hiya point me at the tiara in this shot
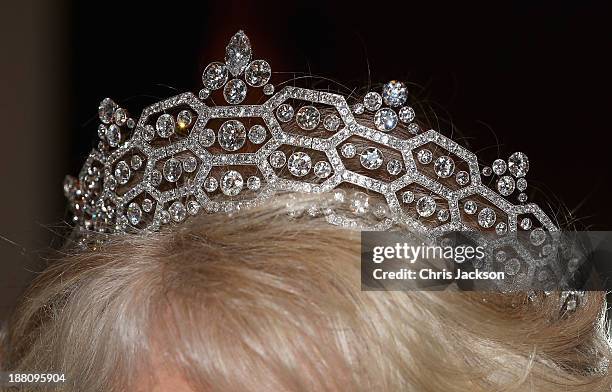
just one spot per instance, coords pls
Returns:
(188, 155)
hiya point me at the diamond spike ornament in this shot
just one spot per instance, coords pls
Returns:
(238, 53)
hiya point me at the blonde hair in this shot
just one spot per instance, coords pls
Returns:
(258, 301)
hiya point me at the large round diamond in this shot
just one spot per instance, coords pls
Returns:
(184, 119)
(165, 125)
(113, 135)
(214, 75)
(257, 134)
(371, 158)
(106, 110)
(462, 178)
(211, 184)
(299, 164)
(505, 185)
(395, 93)
(258, 73)
(424, 156)
(173, 169)
(322, 169)
(406, 114)
(177, 211)
(426, 206)
(385, 119)
(331, 122)
(394, 167)
(359, 203)
(308, 117)
(444, 166)
(253, 183)
(348, 150)
(518, 164)
(284, 112)
(190, 164)
(407, 197)
(231, 183)
(278, 159)
(499, 166)
(134, 213)
(372, 101)
(537, 236)
(486, 217)
(235, 91)
(470, 207)
(206, 137)
(232, 135)
(122, 172)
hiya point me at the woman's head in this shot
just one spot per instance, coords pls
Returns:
(264, 298)
(260, 300)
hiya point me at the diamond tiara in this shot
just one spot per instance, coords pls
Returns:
(187, 155)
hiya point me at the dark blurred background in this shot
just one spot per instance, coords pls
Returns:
(509, 77)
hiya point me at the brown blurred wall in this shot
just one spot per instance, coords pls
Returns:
(33, 75)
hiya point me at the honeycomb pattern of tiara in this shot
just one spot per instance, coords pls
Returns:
(186, 155)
